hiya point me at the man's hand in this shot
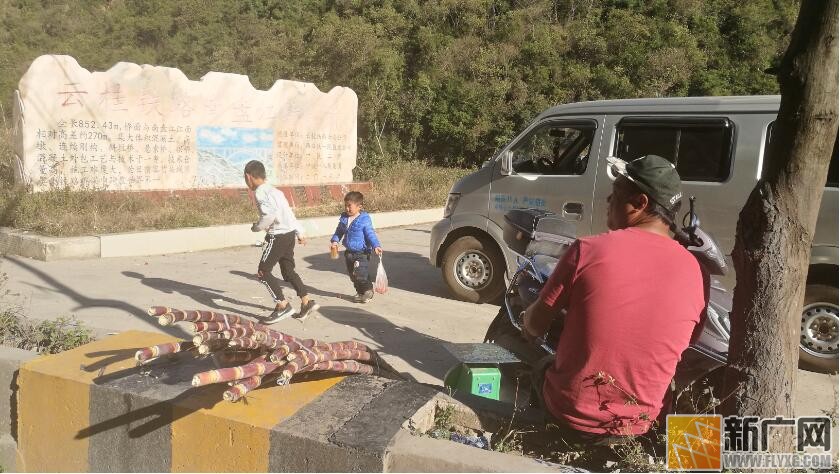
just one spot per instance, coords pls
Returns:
(536, 321)
(255, 227)
(525, 333)
(378, 250)
(301, 240)
(259, 273)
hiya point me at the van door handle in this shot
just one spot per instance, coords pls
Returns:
(573, 210)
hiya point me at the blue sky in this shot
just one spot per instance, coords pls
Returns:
(230, 137)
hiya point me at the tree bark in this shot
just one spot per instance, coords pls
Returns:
(776, 226)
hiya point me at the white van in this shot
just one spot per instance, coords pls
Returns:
(558, 163)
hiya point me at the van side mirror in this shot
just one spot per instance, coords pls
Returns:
(506, 167)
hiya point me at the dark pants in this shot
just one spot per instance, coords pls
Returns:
(358, 264)
(280, 249)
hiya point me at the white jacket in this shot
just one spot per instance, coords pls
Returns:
(276, 216)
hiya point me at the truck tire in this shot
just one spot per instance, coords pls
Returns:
(474, 270)
(818, 337)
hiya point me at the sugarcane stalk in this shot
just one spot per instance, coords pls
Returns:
(244, 343)
(262, 333)
(302, 358)
(208, 326)
(349, 345)
(238, 331)
(258, 367)
(271, 342)
(339, 366)
(312, 356)
(162, 349)
(238, 390)
(204, 336)
(212, 346)
(240, 341)
(283, 350)
(177, 315)
(279, 355)
(158, 310)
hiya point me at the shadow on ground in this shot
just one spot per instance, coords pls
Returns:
(422, 352)
(406, 271)
(83, 302)
(288, 291)
(204, 296)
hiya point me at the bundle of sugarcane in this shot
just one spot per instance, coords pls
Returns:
(260, 354)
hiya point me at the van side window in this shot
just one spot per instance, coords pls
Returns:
(831, 179)
(554, 149)
(701, 147)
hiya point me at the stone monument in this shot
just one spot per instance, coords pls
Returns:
(151, 128)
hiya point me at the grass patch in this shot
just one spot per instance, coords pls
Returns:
(399, 186)
(49, 337)
(547, 443)
(407, 185)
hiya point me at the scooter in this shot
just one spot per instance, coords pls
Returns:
(540, 238)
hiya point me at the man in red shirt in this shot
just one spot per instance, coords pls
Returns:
(633, 297)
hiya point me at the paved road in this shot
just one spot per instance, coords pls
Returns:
(408, 324)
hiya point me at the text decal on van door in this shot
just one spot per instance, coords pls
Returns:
(506, 202)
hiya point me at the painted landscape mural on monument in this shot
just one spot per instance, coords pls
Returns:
(224, 151)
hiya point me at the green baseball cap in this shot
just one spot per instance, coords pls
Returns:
(653, 175)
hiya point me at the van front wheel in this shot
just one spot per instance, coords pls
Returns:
(474, 270)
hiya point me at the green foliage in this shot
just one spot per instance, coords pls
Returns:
(50, 336)
(444, 417)
(447, 81)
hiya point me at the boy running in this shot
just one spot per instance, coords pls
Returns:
(282, 229)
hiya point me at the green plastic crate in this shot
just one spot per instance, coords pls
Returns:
(483, 381)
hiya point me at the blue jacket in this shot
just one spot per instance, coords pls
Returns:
(360, 236)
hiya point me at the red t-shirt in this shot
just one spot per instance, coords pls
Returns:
(633, 299)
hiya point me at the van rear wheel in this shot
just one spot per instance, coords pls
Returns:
(818, 337)
(474, 270)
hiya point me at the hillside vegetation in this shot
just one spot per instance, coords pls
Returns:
(445, 81)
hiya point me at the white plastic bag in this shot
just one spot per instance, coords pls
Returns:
(381, 284)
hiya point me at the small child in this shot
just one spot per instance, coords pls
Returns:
(282, 228)
(355, 227)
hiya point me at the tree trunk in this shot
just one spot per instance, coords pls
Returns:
(776, 226)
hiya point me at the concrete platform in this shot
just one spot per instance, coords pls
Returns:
(163, 242)
(10, 361)
(93, 409)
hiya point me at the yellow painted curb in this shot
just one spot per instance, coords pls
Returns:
(207, 433)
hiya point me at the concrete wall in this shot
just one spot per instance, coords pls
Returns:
(10, 361)
(92, 409)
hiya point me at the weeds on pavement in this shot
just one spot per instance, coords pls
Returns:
(50, 336)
